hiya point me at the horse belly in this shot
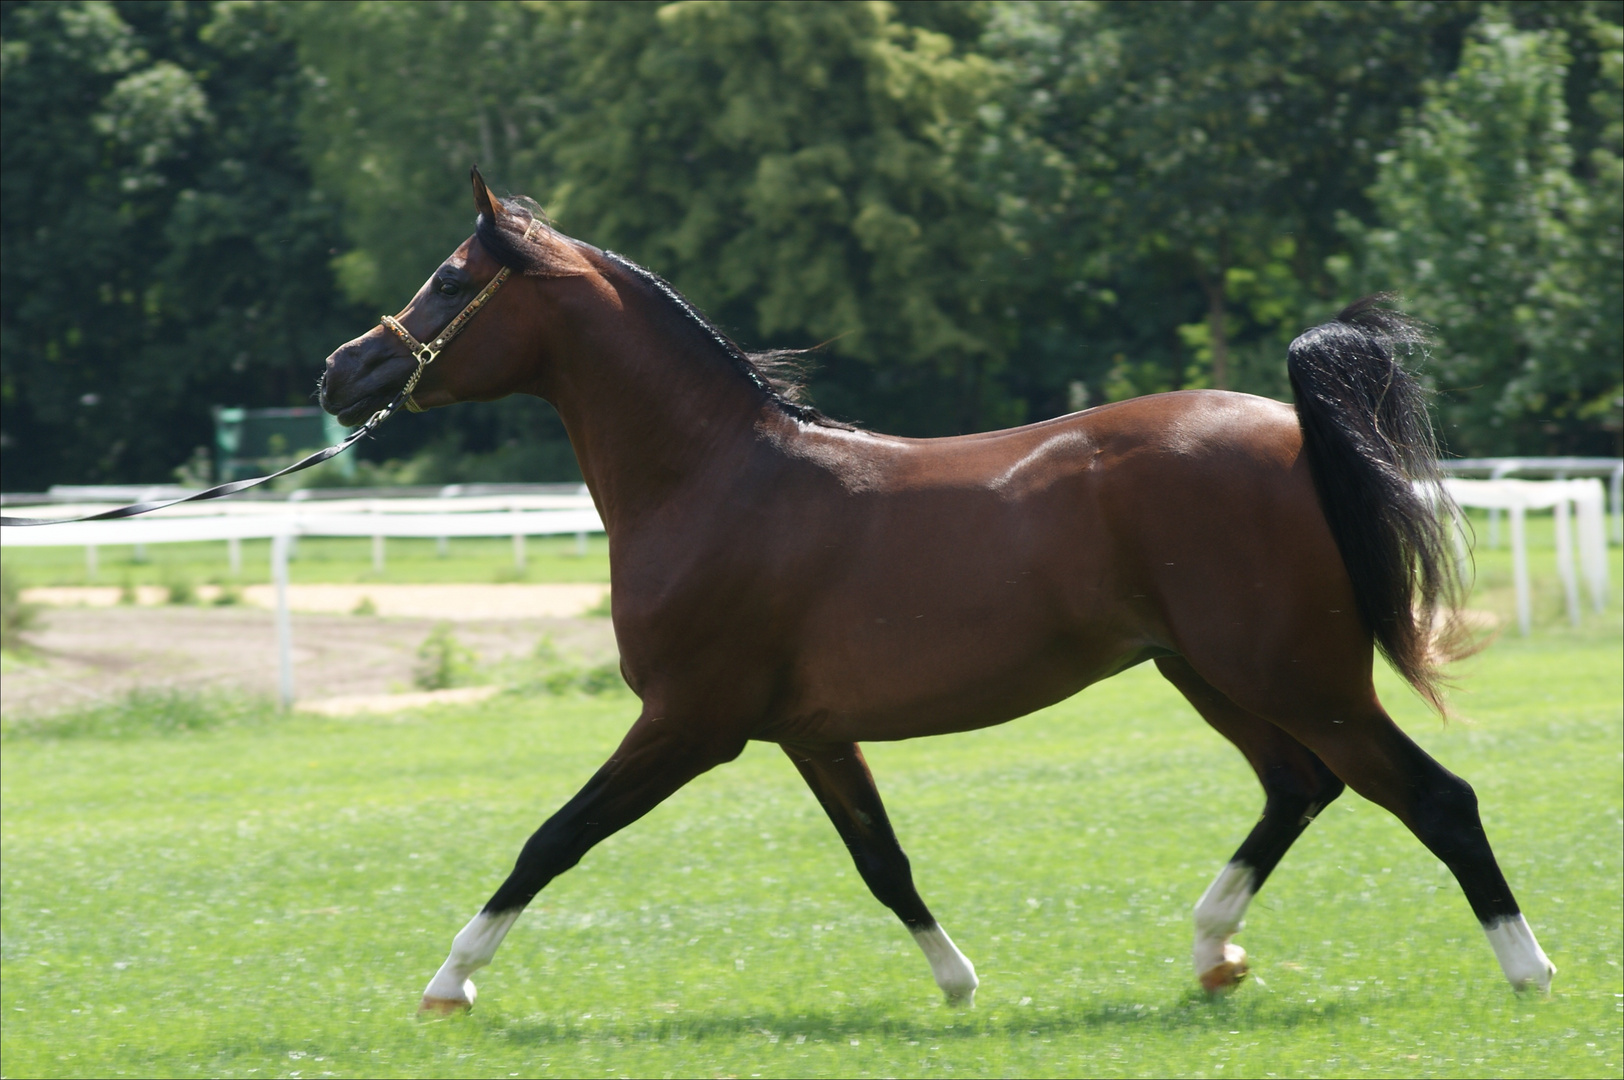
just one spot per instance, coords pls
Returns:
(945, 668)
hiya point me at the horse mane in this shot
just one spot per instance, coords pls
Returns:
(778, 373)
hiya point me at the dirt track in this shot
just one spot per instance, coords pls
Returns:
(86, 653)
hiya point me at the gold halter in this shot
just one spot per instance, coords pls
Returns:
(427, 354)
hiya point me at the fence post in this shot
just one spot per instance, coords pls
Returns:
(1519, 567)
(284, 622)
(90, 562)
(1564, 555)
(234, 555)
(518, 541)
(442, 546)
(1590, 526)
(377, 544)
(1496, 473)
(1615, 494)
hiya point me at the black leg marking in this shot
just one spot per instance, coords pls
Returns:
(840, 779)
(652, 762)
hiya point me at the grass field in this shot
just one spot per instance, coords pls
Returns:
(319, 560)
(268, 899)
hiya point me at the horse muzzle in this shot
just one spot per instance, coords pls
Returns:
(364, 375)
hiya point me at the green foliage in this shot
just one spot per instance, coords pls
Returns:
(549, 671)
(180, 590)
(978, 208)
(146, 712)
(803, 172)
(16, 617)
(163, 245)
(443, 661)
(1493, 238)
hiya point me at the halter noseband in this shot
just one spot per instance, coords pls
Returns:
(427, 354)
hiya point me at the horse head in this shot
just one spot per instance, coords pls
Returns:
(496, 356)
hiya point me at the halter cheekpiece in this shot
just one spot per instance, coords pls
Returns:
(427, 354)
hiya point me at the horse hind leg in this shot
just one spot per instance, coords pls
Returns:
(1296, 787)
(839, 778)
(1364, 748)
(1383, 764)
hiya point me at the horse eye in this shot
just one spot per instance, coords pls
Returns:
(449, 288)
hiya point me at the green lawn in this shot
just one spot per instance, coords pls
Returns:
(320, 560)
(269, 899)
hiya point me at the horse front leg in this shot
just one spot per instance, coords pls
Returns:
(839, 777)
(656, 758)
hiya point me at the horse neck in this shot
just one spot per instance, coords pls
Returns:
(650, 413)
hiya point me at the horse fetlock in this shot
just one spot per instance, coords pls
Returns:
(954, 973)
(1527, 967)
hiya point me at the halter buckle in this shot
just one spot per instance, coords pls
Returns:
(427, 354)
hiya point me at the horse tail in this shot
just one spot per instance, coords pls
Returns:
(1374, 460)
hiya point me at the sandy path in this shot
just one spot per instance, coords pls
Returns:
(88, 653)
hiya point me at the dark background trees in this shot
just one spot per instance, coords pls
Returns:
(987, 213)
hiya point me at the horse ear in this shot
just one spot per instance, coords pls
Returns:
(485, 202)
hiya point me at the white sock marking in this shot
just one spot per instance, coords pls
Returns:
(953, 970)
(1220, 914)
(471, 950)
(1520, 956)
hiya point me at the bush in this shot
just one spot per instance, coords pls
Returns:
(550, 672)
(181, 591)
(16, 617)
(146, 712)
(442, 661)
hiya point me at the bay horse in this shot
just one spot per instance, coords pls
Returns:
(778, 576)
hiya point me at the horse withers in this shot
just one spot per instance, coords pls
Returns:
(778, 576)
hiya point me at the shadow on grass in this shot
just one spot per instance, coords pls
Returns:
(1192, 1014)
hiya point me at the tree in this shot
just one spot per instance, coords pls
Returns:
(162, 248)
(1203, 153)
(1492, 237)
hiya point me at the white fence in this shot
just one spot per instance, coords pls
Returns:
(1567, 500)
(1578, 507)
(1553, 468)
(284, 522)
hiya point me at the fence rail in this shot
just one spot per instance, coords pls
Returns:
(304, 519)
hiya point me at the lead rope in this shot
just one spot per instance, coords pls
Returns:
(423, 354)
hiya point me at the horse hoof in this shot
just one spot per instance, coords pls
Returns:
(1539, 984)
(962, 999)
(1228, 973)
(439, 1006)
